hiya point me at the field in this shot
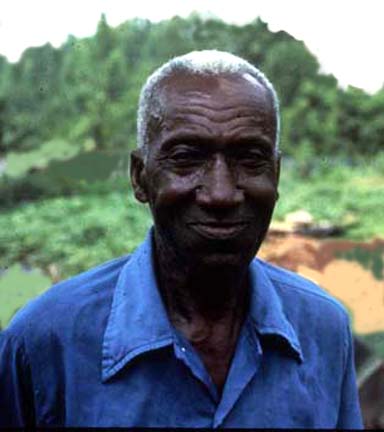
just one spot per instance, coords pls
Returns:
(98, 218)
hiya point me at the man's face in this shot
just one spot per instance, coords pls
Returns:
(211, 173)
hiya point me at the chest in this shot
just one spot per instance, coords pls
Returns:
(215, 346)
(158, 389)
(217, 361)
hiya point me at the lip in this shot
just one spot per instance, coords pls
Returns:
(219, 230)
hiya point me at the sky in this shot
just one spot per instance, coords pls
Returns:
(347, 36)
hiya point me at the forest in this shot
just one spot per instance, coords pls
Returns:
(68, 123)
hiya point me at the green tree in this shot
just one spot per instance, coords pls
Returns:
(289, 65)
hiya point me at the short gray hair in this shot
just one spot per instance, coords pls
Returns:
(210, 62)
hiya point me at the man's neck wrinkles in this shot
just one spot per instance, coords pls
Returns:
(195, 292)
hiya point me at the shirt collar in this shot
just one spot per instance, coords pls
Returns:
(138, 320)
(267, 313)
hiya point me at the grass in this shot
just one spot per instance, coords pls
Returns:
(18, 164)
(29, 179)
(338, 194)
(102, 220)
(17, 286)
(78, 231)
(74, 233)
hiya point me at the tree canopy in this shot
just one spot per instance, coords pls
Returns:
(87, 90)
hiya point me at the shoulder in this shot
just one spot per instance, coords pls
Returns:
(320, 322)
(55, 309)
(304, 302)
(293, 284)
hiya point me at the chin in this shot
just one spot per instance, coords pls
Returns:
(222, 261)
(227, 256)
(193, 249)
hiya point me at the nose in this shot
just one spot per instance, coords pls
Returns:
(219, 186)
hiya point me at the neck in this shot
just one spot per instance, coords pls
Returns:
(195, 292)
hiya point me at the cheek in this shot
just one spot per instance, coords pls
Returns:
(261, 190)
(171, 189)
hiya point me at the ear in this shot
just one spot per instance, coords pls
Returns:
(138, 176)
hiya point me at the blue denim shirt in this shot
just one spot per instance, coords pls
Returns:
(99, 350)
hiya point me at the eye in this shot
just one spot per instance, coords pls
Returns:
(181, 155)
(252, 159)
(185, 156)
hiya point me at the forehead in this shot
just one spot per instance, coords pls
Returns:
(216, 103)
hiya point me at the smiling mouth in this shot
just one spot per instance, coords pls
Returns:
(219, 230)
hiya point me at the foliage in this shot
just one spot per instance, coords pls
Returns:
(68, 120)
(50, 173)
(19, 164)
(104, 221)
(73, 233)
(17, 286)
(87, 90)
(336, 192)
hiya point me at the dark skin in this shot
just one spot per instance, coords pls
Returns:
(210, 178)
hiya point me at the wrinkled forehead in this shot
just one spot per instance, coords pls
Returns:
(217, 89)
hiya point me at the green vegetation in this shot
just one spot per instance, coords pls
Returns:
(81, 230)
(18, 164)
(340, 194)
(73, 233)
(68, 121)
(375, 342)
(85, 93)
(18, 279)
(373, 261)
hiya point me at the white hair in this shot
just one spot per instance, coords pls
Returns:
(205, 62)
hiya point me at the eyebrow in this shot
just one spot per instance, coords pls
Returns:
(195, 139)
(185, 138)
(250, 140)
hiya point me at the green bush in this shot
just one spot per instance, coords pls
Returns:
(103, 220)
(337, 192)
(75, 233)
(85, 172)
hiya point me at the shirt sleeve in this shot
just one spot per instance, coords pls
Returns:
(16, 397)
(349, 412)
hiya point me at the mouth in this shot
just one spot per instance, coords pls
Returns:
(219, 230)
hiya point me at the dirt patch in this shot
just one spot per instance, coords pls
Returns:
(319, 260)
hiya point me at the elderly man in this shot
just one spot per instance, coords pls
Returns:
(190, 330)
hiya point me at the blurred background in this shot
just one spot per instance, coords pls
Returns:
(70, 76)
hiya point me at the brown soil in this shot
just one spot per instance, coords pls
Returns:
(355, 286)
